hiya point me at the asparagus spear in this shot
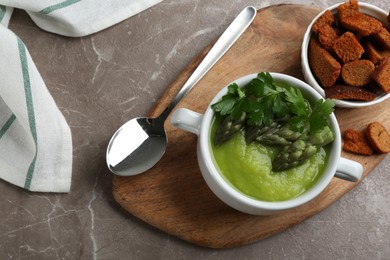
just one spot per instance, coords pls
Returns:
(280, 135)
(227, 128)
(252, 132)
(302, 149)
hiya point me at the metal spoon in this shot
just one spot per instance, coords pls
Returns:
(141, 142)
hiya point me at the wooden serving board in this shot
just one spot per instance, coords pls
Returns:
(173, 196)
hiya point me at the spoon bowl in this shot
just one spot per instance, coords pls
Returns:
(138, 145)
(141, 142)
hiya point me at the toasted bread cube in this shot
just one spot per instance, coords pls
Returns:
(383, 38)
(372, 53)
(382, 75)
(379, 137)
(348, 9)
(347, 48)
(326, 18)
(324, 66)
(362, 24)
(345, 92)
(327, 36)
(356, 142)
(357, 73)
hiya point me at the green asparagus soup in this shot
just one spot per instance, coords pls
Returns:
(268, 140)
(248, 167)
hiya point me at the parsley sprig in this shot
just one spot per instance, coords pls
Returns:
(263, 101)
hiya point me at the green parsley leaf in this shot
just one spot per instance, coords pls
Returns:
(280, 108)
(266, 78)
(318, 118)
(296, 101)
(233, 88)
(299, 123)
(229, 101)
(225, 106)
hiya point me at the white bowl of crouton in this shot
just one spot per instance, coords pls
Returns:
(346, 54)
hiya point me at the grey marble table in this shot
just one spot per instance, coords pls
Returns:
(142, 56)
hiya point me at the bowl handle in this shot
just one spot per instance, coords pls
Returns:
(187, 120)
(349, 170)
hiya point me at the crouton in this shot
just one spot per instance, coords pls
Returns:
(362, 24)
(372, 53)
(326, 18)
(347, 48)
(357, 142)
(383, 38)
(382, 75)
(345, 92)
(378, 137)
(323, 65)
(348, 9)
(357, 73)
(327, 36)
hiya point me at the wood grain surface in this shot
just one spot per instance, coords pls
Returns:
(173, 196)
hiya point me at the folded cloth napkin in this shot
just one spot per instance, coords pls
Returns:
(79, 17)
(35, 139)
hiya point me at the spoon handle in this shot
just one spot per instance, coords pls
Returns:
(225, 41)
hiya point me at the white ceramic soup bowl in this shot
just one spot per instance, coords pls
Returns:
(201, 125)
(365, 8)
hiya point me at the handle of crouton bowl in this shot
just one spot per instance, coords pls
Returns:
(349, 170)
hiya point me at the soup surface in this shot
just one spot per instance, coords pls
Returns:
(248, 167)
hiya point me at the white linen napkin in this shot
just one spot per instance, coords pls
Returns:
(35, 139)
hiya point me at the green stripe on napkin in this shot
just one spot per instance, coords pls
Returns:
(7, 125)
(52, 8)
(30, 109)
(2, 12)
